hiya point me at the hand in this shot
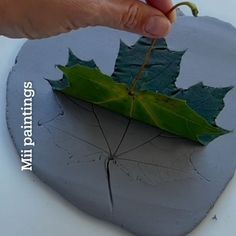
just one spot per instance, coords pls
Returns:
(36, 19)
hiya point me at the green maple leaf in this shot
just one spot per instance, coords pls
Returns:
(156, 100)
(160, 74)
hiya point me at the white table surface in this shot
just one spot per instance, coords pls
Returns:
(30, 208)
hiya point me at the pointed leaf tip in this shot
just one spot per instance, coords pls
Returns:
(208, 138)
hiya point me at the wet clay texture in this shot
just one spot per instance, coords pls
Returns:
(120, 170)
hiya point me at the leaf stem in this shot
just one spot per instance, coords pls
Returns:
(148, 55)
(191, 5)
(143, 67)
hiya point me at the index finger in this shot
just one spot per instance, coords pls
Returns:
(164, 6)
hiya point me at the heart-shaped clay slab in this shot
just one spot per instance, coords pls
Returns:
(157, 184)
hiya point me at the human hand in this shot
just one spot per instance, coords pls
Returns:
(36, 19)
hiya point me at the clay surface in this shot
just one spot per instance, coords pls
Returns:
(157, 184)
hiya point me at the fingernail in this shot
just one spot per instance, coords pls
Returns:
(157, 26)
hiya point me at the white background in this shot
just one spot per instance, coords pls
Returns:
(29, 208)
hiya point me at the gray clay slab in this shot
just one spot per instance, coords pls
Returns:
(157, 184)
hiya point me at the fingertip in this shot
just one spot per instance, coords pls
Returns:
(157, 27)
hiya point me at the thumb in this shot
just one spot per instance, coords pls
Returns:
(39, 19)
(134, 16)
